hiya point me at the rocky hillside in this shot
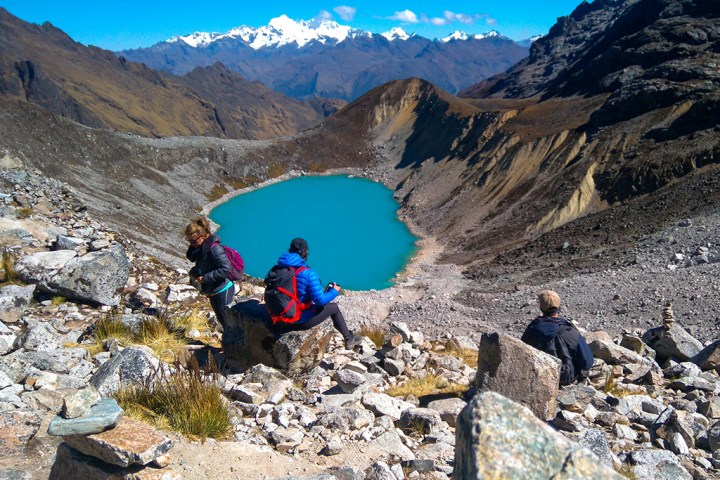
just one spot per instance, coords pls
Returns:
(649, 409)
(43, 66)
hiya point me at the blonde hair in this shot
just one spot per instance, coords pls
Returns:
(199, 226)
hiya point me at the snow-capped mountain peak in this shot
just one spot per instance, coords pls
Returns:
(460, 35)
(396, 33)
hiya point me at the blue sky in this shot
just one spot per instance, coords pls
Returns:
(121, 24)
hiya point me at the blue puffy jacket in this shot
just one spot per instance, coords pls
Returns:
(309, 287)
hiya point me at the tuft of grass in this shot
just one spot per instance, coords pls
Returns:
(217, 192)
(8, 265)
(187, 401)
(316, 167)
(611, 387)
(626, 470)
(24, 212)
(58, 300)
(109, 326)
(430, 384)
(162, 335)
(374, 333)
(467, 355)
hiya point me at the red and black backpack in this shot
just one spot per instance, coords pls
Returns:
(281, 299)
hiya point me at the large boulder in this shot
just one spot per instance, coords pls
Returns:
(40, 267)
(94, 277)
(250, 339)
(674, 342)
(519, 372)
(709, 357)
(497, 438)
(17, 427)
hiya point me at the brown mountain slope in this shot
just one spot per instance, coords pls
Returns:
(251, 110)
(44, 66)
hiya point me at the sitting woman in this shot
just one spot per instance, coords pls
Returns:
(212, 266)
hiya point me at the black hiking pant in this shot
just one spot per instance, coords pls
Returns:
(321, 313)
(220, 301)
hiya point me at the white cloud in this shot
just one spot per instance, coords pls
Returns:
(323, 15)
(405, 16)
(448, 18)
(345, 12)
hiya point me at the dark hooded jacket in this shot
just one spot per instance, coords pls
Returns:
(212, 263)
(541, 334)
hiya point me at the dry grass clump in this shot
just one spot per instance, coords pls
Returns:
(276, 170)
(217, 192)
(627, 471)
(467, 355)
(24, 212)
(8, 266)
(187, 401)
(429, 384)
(165, 333)
(611, 387)
(374, 333)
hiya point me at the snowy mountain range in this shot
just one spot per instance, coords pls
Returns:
(321, 58)
(286, 31)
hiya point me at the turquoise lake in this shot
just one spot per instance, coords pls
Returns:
(350, 224)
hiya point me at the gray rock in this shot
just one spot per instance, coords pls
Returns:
(345, 419)
(103, 415)
(181, 293)
(714, 437)
(614, 354)
(461, 343)
(520, 372)
(7, 339)
(382, 404)
(63, 242)
(132, 365)
(657, 464)
(709, 357)
(497, 438)
(394, 367)
(39, 338)
(40, 267)
(274, 386)
(393, 445)
(596, 441)
(249, 339)
(448, 409)
(402, 329)
(11, 474)
(130, 443)
(80, 403)
(675, 343)
(19, 364)
(333, 447)
(14, 300)
(71, 464)
(17, 427)
(420, 420)
(348, 380)
(95, 277)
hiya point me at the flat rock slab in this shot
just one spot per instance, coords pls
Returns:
(130, 443)
(103, 415)
(71, 464)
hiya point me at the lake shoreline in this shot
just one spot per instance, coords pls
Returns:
(427, 249)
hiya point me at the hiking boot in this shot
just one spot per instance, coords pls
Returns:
(352, 342)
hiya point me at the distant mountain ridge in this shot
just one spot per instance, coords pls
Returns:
(41, 65)
(322, 58)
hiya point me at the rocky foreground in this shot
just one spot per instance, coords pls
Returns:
(650, 408)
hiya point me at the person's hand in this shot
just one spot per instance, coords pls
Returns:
(200, 279)
(336, 287)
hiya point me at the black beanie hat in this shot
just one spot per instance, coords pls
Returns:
(299, 245)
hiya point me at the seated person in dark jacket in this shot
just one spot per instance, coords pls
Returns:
(554, 335)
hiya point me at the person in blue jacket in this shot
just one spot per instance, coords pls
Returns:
(310, 291)
(212, 266)
(555, 335)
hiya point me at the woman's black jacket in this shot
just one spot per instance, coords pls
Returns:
(211, 263)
